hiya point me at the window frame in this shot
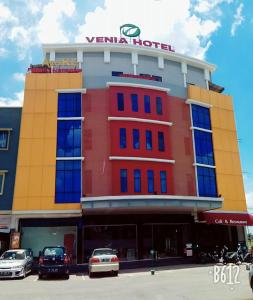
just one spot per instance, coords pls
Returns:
(8, 130)
(159, 105)
(120, 102)
(65, 171)
(204, 151)
(134, 103)
(149, 147)
(203, 189)
(161, 144)
(150, 177)
(147, 104)
(123, 181)
(136, 138)
(75, 127)
(3, 180)
(137, 180)
(162, 180)
(122, 138)
(201, 117)
(69, 105)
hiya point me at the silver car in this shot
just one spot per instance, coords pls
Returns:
(103, 260)
(15, 263)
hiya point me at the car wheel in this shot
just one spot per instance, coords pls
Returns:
(115, 273)
(66, 276)
(40, 276)
(91, 274)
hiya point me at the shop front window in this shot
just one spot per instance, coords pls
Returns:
(122, 238)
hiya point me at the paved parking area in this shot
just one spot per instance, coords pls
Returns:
(181, 282)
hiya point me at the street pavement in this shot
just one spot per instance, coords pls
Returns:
(176, 282)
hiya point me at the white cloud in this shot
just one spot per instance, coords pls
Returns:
(168, 21)
(6, 14)
(17, 100)
(204, 6)
(19, 76)
(3, 52)
(238, 19)
(50, 26)
(249, 198)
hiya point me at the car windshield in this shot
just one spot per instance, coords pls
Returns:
(13, 255)
(103, 252)
(53, 252)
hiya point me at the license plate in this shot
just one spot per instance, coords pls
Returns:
(105, 260)
(53, 270)
(5, 273)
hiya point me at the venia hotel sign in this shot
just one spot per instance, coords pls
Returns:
(131, 33)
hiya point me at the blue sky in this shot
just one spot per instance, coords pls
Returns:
(219, 31)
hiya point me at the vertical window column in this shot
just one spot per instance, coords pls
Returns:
(68, 187)
(203, 151)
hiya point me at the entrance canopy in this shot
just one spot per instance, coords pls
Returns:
(148, 203)
(228, 218)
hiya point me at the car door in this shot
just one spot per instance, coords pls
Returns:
(29, 261)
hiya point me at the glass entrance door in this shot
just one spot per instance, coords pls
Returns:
(165, 239)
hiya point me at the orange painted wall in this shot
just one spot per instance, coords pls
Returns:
(35, 175)
(226, 152)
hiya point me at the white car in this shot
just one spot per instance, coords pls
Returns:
(103, 260)
(15, 263)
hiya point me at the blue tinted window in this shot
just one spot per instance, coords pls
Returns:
(207, 182)
(147, 104)
(163, 181)
(123, 180)
(160, 141)
(201, 116)
(203, 147)
(68, 181)
(134, 99)
(4, 135)
(137, 181)
(1, 183)
(148, 139)
(150, 174)
(120, 98)
(69, 138)
(136, 139)
(159, 108)
(122, 133)
(69, 105)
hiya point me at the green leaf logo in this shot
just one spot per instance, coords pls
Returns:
(130, 30)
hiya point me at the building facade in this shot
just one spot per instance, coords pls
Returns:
(133, 148)
(9, 138)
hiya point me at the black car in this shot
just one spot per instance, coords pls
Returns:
(53, 261)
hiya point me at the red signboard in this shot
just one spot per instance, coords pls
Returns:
(232, 219)
(53, 70)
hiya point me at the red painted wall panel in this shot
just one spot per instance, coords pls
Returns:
(143, 166)
(182, 147)
(101, 139)
(142, 152)
(127, 91)
(96, 144)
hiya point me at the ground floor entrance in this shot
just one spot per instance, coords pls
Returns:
(134, 237)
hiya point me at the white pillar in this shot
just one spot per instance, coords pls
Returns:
(184, 71)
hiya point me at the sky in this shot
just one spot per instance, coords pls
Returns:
(218, 31)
